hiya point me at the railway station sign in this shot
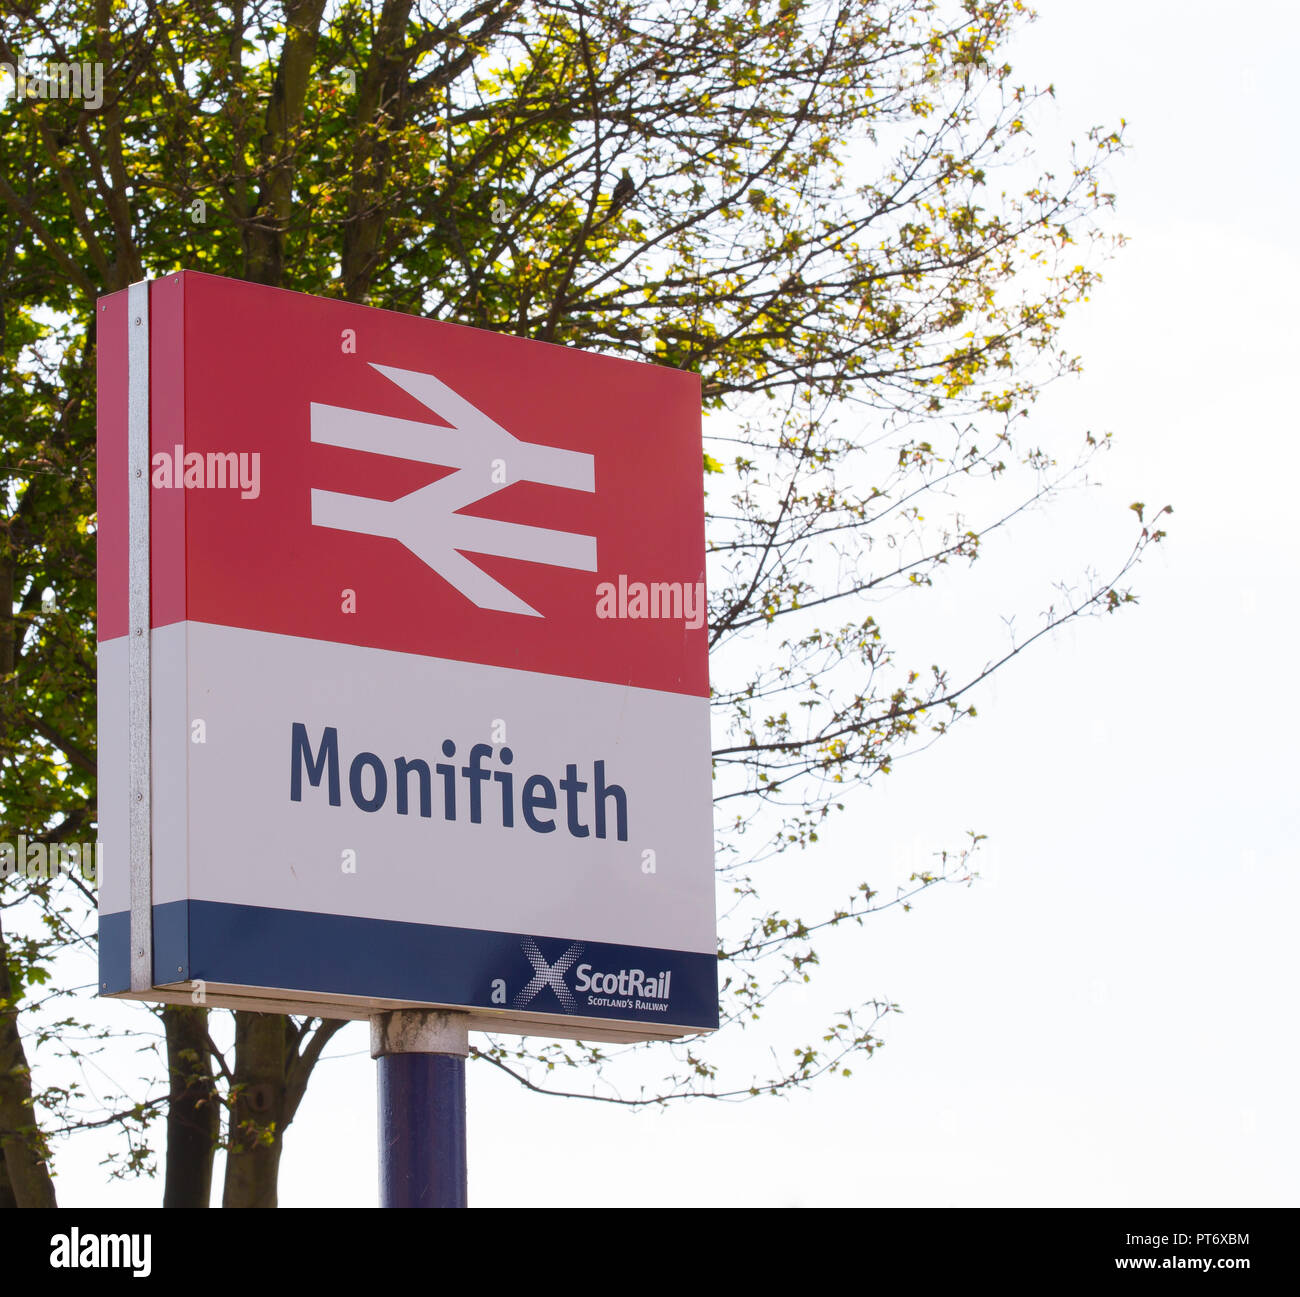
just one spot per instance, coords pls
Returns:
(403, 670)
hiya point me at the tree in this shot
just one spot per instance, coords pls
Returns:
(676, 184)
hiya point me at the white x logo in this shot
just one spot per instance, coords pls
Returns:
(551, 975)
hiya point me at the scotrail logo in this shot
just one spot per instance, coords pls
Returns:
(629, 988)
(428, 521)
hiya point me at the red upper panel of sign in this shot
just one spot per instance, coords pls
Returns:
(295, 445)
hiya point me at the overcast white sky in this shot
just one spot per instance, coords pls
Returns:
(1108, 1019)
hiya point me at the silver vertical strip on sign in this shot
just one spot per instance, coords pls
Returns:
(140, 768)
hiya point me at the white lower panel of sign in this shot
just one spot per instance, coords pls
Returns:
(334, 779)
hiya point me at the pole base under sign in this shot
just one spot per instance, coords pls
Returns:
(422, 1157)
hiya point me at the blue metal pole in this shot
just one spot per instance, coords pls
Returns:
(421, 1055)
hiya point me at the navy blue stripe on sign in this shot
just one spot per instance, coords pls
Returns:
(115, 952)
(329, 954)
(170, 947)
(171, 955)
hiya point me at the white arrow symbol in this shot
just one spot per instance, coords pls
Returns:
(427, 520)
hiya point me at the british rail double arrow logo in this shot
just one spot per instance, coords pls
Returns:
(427, 521)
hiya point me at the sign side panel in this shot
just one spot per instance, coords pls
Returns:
(112, 578)
(139, 637)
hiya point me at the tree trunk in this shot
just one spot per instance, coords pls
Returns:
(21, 1142)
(257, 1110)
(193, 1109)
